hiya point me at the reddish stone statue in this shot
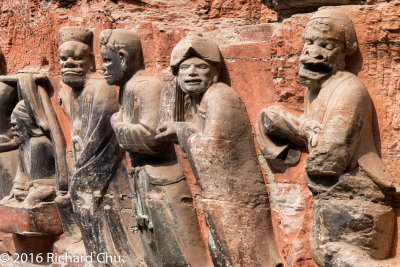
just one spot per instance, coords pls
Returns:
(353, 223)
(215, 133)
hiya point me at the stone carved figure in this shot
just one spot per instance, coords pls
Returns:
(35, 179)
(166, 219)
(353, 223)
(99, 187)
(215, 133)
(8, 146)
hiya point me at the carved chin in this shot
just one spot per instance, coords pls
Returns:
(74, 81)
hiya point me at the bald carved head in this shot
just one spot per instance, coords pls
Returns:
(122, 55)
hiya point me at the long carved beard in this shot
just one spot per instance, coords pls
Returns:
(74, 81)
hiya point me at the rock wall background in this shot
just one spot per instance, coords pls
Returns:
(261, 57)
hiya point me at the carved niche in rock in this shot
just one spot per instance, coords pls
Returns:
(348, 180)
(215, 133)
(8, 146)
(99, 187)
(168, 226)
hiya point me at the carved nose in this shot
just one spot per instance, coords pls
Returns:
(313, 53)
(191, 70)
(69, 64)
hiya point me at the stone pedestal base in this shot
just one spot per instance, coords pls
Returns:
(29, 230)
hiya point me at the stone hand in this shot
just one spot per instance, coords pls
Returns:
(119, 128)
(270, 118)
(168, 132)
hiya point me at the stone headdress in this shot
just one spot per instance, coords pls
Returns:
(195, 45)
(76, 33)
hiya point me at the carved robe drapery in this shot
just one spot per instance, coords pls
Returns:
(167, 222)
(345, 174)
(233, 194)
(99, 185)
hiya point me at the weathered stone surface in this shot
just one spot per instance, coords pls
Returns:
(215, 135)
(29, 31)
(99, 182)
(165, 216)
(8, 146)
(351, 188)
(40, 219)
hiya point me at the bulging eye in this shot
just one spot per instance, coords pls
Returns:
(330, 46)
(183, 67)
(308, 41)
(63, 58)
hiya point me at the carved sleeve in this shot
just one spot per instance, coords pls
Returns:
(346, 114)
(279, 123)
(136, 133)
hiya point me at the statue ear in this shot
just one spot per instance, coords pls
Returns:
(217, 73)
(124, 56)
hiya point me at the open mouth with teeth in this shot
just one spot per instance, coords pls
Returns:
(319, 67)
(193, 82)
(314, 71)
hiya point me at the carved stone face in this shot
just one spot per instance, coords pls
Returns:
(112, 66)
(323, 52)
(196, 75)
(17, 128)
(75, 63)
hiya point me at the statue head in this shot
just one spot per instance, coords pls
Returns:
(196, 61)
(122, 55)
(76, 55)
(328, 38)
(23, 125)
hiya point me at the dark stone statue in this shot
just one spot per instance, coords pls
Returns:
(166, 220)
(35, 179)
(99, 188)
(353, 223)
(29, 213)
(8, 146)
(215, 133)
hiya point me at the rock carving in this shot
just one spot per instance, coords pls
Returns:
(215, 133)
(351, 188)
(8, 146)
(166, 220)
